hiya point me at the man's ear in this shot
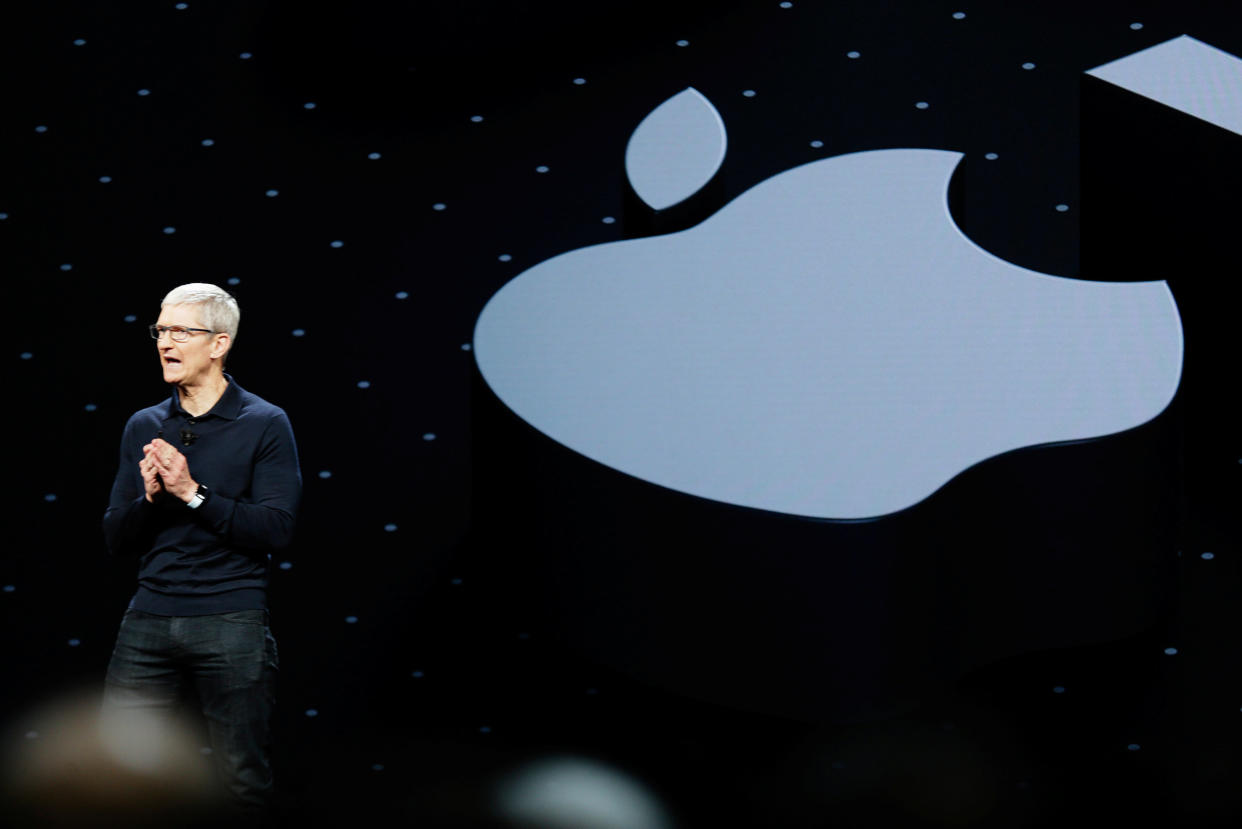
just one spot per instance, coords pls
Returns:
(221, 346)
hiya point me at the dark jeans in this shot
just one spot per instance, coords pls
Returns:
(230, 660)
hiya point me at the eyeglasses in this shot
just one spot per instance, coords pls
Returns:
(178, 333)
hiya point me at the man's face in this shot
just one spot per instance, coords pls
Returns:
(188, 362)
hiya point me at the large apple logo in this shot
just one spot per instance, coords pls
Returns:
(829, 344)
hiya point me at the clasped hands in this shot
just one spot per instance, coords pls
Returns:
(164, 470)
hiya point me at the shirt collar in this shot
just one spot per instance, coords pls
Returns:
(227, 407)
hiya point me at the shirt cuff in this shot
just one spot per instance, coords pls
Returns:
(215, 510)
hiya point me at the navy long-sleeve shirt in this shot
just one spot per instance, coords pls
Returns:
(216, 558)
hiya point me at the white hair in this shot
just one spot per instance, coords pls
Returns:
(217, 308)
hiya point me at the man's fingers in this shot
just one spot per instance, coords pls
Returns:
(163, 465)
(163, 450)
(168, 468)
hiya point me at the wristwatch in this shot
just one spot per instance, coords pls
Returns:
(200, 497)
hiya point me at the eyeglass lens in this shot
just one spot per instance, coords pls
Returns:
(177, 333)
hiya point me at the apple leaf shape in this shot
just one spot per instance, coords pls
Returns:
(675, 150)
(829, 344)
(1185, 74)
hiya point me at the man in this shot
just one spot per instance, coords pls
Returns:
(207, 488)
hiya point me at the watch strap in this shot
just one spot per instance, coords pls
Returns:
(200, 497)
